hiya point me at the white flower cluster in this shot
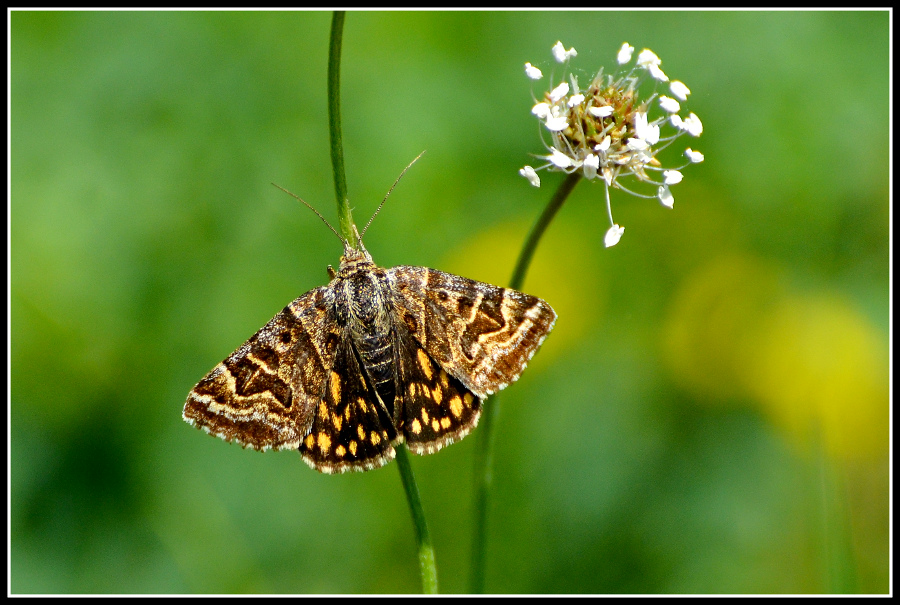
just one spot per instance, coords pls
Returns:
(606, 131)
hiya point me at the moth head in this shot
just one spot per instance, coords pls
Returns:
(355, 254)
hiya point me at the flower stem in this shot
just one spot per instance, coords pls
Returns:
(427, 566)
(345, 217)
(838, 562)
(345, 220)
(483, 477)
(484, 448)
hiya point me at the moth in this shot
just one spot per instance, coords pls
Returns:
(374, 358)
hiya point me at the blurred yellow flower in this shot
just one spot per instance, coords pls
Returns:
(815, 365)
(710, 320)
(820, 369)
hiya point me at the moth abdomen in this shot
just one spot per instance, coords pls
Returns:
(377, 356)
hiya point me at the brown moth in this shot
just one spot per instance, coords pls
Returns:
(374, 358)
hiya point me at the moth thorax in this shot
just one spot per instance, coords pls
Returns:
(361, 303)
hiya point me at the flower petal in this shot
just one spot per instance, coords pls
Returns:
(637, 145)
(533, 72)
(561, 54)
(624, 55)
(541, 110)
(601, 112)
(679, 89)
(557, 123)
(646, 58)
(693, 125)
(672, 177)
(668, 104)
(559, 92)
(613, 235)
(643, 130)
(575, 100)
(640, 124)
(657, 73)
(529, 173)
(694, 156)
(591, 164)
(665, 196)
(559, 159)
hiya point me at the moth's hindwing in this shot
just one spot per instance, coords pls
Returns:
(435, 408)
(351, 429)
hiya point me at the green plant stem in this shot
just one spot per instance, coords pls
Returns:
(834, 527)
(427, 565)
(483, 478)
(484, 458)
(345, 217)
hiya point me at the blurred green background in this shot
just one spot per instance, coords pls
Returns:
(709, 415)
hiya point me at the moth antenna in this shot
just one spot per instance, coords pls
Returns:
(358, 239)
(377, 210)
(293, 195)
